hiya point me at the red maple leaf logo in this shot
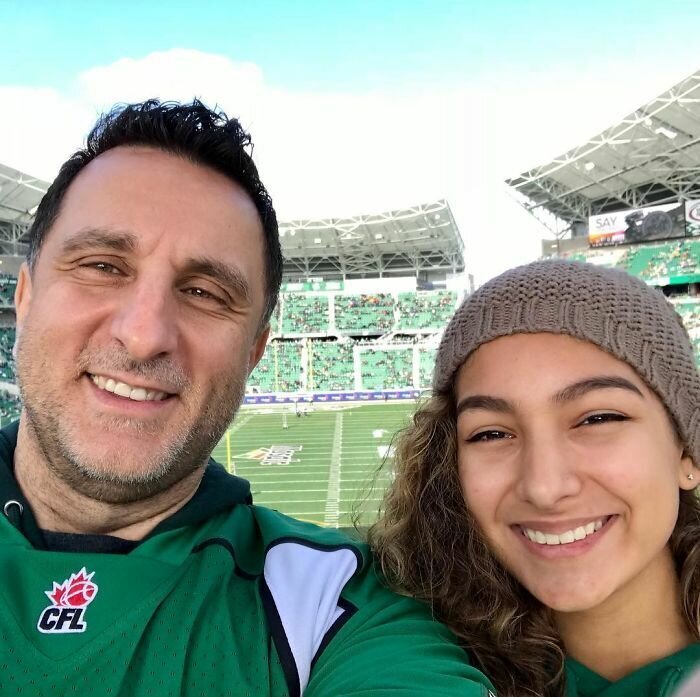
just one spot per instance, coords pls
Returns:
(77, 591)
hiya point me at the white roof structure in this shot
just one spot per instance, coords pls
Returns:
(423, 239)
(19, 196)
(650, 157)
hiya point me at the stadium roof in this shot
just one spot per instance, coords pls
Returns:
(19, 196)
(650, 157)
(406, 242)
(421, 239)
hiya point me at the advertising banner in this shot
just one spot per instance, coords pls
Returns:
(692, 218)
(638, 225)
(325, 397)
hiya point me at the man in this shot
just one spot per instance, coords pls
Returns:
(132, 563)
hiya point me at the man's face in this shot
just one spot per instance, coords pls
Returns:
(140, 322)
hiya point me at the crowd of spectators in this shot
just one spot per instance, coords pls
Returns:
(279, 370)
(7, 362)
(363, 313)
(670, 259)
(386, 369)
(8, 284)
(304, 313)
(426, 310)
(332, 366)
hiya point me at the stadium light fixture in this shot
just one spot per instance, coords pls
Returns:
(589, 166)
(317, 240)
(662, 130)
(378, 236)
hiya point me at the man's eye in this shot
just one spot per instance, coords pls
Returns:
(485, 436)
(203, 294)
(603, 418)
(103, 266)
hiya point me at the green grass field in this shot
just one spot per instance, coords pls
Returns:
(320, 467)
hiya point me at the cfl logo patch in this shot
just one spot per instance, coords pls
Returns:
(66, 614)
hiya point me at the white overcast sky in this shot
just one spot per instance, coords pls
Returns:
(325, 153)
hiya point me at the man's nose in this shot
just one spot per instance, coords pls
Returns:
(547, 473)
(145, 322)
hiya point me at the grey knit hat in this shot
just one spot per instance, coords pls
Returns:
(609, 308)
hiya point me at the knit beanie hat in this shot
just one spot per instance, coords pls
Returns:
(609, 308)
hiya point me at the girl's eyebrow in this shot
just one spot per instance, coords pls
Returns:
(598, 382)
(481, 401)
(567, 394)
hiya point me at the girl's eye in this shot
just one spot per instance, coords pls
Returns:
(484, 436)
(604, 418)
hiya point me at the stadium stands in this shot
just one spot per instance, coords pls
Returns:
(675, 260)
(304, 313)
(386, 369)
(667, 260)
(689, 309)
(8, 284)
(426, 310)
(280, 368)
(331, 368)
(370, 314)
(425, 367)
(7, 362)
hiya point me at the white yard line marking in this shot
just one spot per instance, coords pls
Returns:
(331, 516)
(239, 423)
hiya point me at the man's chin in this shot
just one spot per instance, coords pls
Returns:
(125, 482)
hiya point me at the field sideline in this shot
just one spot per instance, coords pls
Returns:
(321, 466)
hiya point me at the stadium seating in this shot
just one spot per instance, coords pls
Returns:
(8, 284)
(304, 313)
(357, 314)
(386, 368)
(331, 367)
(279, 369)
(7, 362)
(10, 407)
(426, 310)
(675, 258)
(426, 364)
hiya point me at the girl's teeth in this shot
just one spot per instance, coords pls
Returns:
(564, 538)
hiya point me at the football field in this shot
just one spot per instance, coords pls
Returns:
(322, 466)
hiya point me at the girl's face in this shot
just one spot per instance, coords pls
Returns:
(570, 466)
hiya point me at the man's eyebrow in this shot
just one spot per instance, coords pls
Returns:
(599, 382)
(116, 240)
(229, 276)
(480, 401)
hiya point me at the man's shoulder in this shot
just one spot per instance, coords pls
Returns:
(276, 528)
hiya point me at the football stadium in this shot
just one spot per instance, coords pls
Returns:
(364, 300)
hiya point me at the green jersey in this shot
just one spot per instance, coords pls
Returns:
(224, 598)
(659, 679)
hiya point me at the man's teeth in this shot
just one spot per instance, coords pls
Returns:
(138, 394)
(563, 538)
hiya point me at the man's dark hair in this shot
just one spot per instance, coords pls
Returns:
(192, 131)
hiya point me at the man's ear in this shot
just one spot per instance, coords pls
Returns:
(23, 293)
(688, 473)
(258, 348)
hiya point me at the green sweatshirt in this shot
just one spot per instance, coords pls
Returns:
(659, 679)
(224, 598)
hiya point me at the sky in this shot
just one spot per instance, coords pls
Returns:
(355, 107)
